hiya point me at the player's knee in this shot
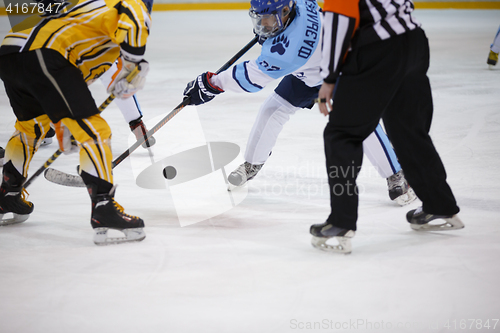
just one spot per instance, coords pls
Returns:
(91, 129)
(35, 128)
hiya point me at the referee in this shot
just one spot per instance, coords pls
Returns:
(383, 57)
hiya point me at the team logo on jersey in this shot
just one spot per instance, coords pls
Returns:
(280, 44)
(300, 75)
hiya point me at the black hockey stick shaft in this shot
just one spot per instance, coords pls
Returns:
(58, 153)
(43, 167)
(63, 178)
(181, 106)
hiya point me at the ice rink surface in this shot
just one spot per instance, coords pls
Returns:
(252, 268)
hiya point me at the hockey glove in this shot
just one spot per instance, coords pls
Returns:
(66, 141)
(201, 90)
(123, 88)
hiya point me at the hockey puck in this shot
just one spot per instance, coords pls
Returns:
(169, 172)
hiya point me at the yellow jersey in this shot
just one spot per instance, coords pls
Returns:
(88, 33)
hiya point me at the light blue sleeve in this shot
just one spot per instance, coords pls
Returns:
(281, 55)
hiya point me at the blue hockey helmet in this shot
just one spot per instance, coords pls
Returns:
(269, 17)
(149, 5)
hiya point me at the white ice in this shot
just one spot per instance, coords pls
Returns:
(252, 268)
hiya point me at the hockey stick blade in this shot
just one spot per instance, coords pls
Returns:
(60, 177)
(63, 178)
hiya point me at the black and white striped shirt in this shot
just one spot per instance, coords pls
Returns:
(353, 23)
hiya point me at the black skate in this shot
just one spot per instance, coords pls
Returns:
(48, 137)
(242, 174)
(108, 214)
(399, 189)
(14, 201)
(419, 221)
(139, 129)
(324, 231)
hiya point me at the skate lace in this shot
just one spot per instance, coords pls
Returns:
(252, 169)
(24, 196)
(121, 210)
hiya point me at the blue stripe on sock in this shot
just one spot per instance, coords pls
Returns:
(388, 150)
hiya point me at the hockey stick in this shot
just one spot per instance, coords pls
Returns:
(104, 105)
(66, 179)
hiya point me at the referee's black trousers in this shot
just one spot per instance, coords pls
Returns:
(385, 80)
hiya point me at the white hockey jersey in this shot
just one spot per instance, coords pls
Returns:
(296, 51)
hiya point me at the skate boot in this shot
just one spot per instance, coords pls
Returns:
(492, 59)
(399, 189)
(243, 173)
(2, 154)
(108, 214)
(13, 198)
(419, 221)
(48, 138)
(324, 231)
(139, 129)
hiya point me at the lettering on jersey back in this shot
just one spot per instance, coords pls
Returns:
(312, 29)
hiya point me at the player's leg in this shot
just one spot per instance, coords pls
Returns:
(45, 82)
(494, 50)
(272, 116)
(19, 152)
(76, 108)
(130, 109)
(94, 138)
(30, 129)
(379, 151)
(290, 95)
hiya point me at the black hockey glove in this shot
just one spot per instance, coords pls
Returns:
(201, 90)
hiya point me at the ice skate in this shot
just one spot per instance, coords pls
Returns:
(419, 221)
(242, 174)
(325, 231)
(14, 208)
(13, 196)
(399, 189)
(139, 129)
(108, 214)
(2, 154)
(48, 138)
(492, 59)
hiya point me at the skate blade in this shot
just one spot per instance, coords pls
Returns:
(344, 246)
(17, 218)
(131, 235)
(406, 198)
(453, 223)
(231, 187)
